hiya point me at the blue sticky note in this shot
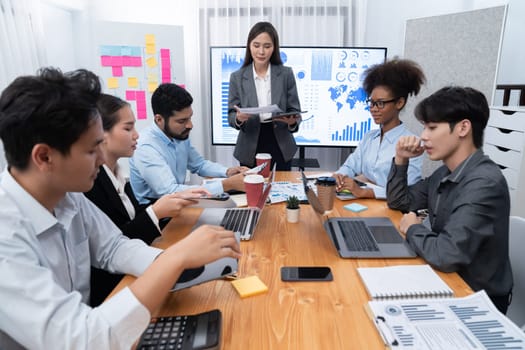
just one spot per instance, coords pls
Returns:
(355, 207)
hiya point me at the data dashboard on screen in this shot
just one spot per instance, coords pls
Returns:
(329, 84)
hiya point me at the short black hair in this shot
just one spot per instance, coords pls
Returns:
(50, 107)
(403, 77)
(453, 104)
(258, 28)
(108, 106)
(170, 98)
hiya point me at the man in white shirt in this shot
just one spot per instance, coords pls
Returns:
(50, 237)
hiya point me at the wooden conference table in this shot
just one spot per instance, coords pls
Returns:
(291, 315)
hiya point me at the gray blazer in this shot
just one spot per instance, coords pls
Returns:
(242, 93)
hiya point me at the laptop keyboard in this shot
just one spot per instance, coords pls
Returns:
(357, 236)
(238, 219)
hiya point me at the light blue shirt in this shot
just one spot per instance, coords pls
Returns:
(373, 159)
(159, 166)
(45, 264)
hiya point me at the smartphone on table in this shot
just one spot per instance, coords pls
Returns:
(306, 273)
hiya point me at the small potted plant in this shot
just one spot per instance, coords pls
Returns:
(292, 209)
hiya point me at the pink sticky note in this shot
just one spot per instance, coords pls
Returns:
(166, 76)
(116, 61)
(105, 61)
(141, 114)
(135, 61)
(130, 95)
(164, 53)
(117, 71)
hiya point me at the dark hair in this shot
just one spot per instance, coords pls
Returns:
(108, 106)
(402, 77)
(170, 98)
(258, 28)
(51, 107)
(452, 104)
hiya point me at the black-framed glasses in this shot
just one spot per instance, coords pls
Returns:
(379, 103)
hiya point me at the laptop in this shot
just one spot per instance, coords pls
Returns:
(359, 237)
(242, 220)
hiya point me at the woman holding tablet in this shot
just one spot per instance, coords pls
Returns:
(261, 81)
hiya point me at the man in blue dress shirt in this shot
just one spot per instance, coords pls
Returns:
(165, 153)
(51, 236)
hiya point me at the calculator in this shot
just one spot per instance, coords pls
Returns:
(187, 332)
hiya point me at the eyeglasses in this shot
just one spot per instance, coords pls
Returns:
(380, 103)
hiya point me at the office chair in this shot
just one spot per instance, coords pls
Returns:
(516, 311)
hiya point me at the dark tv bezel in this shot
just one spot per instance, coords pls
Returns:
(280, 48)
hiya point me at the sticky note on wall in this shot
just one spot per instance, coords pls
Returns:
(112, 83)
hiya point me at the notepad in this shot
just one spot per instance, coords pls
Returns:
(404, 281)
(249, 286)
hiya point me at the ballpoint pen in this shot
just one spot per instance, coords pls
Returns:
(385, 332)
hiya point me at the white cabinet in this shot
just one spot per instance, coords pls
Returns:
(504, 144)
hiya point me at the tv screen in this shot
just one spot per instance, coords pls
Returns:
(329, 84)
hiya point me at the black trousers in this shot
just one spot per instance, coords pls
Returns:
(267, 143)
(502, 302)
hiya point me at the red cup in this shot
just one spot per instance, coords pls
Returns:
(253, 185)
(264, 158)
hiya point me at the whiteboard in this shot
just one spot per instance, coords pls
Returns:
(457, 49)
(132, 59)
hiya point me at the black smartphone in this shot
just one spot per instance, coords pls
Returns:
(214, 197)
(306, 273)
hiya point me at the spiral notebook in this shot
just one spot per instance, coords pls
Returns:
(403, 281)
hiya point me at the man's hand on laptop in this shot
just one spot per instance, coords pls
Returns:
(236, 170)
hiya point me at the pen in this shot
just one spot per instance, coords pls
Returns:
(386, 332)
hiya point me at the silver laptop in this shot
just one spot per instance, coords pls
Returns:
(242, 220)
(374, 237)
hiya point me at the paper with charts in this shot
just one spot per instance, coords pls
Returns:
(471, 322)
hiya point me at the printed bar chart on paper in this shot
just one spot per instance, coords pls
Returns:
(471, 322)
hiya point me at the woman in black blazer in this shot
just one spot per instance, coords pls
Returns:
(114, 196)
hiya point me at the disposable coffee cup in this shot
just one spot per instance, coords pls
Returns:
(253, 185)
(326, 192)
(264, 158)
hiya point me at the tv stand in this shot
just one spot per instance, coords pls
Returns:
(303, 162)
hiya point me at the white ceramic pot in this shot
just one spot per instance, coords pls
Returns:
(292, 215)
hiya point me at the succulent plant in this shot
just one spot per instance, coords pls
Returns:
(292, 202)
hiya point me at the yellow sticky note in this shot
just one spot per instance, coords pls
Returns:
(153, 78)
(152, 86)
(151, 62)
(150, 49)
(150, 38)
(112, 83)
(249, 286)
(133, 82)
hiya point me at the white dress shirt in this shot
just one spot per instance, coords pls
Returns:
(45, 262)
(263, 87)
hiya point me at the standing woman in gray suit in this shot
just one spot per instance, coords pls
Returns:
(261, 81)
